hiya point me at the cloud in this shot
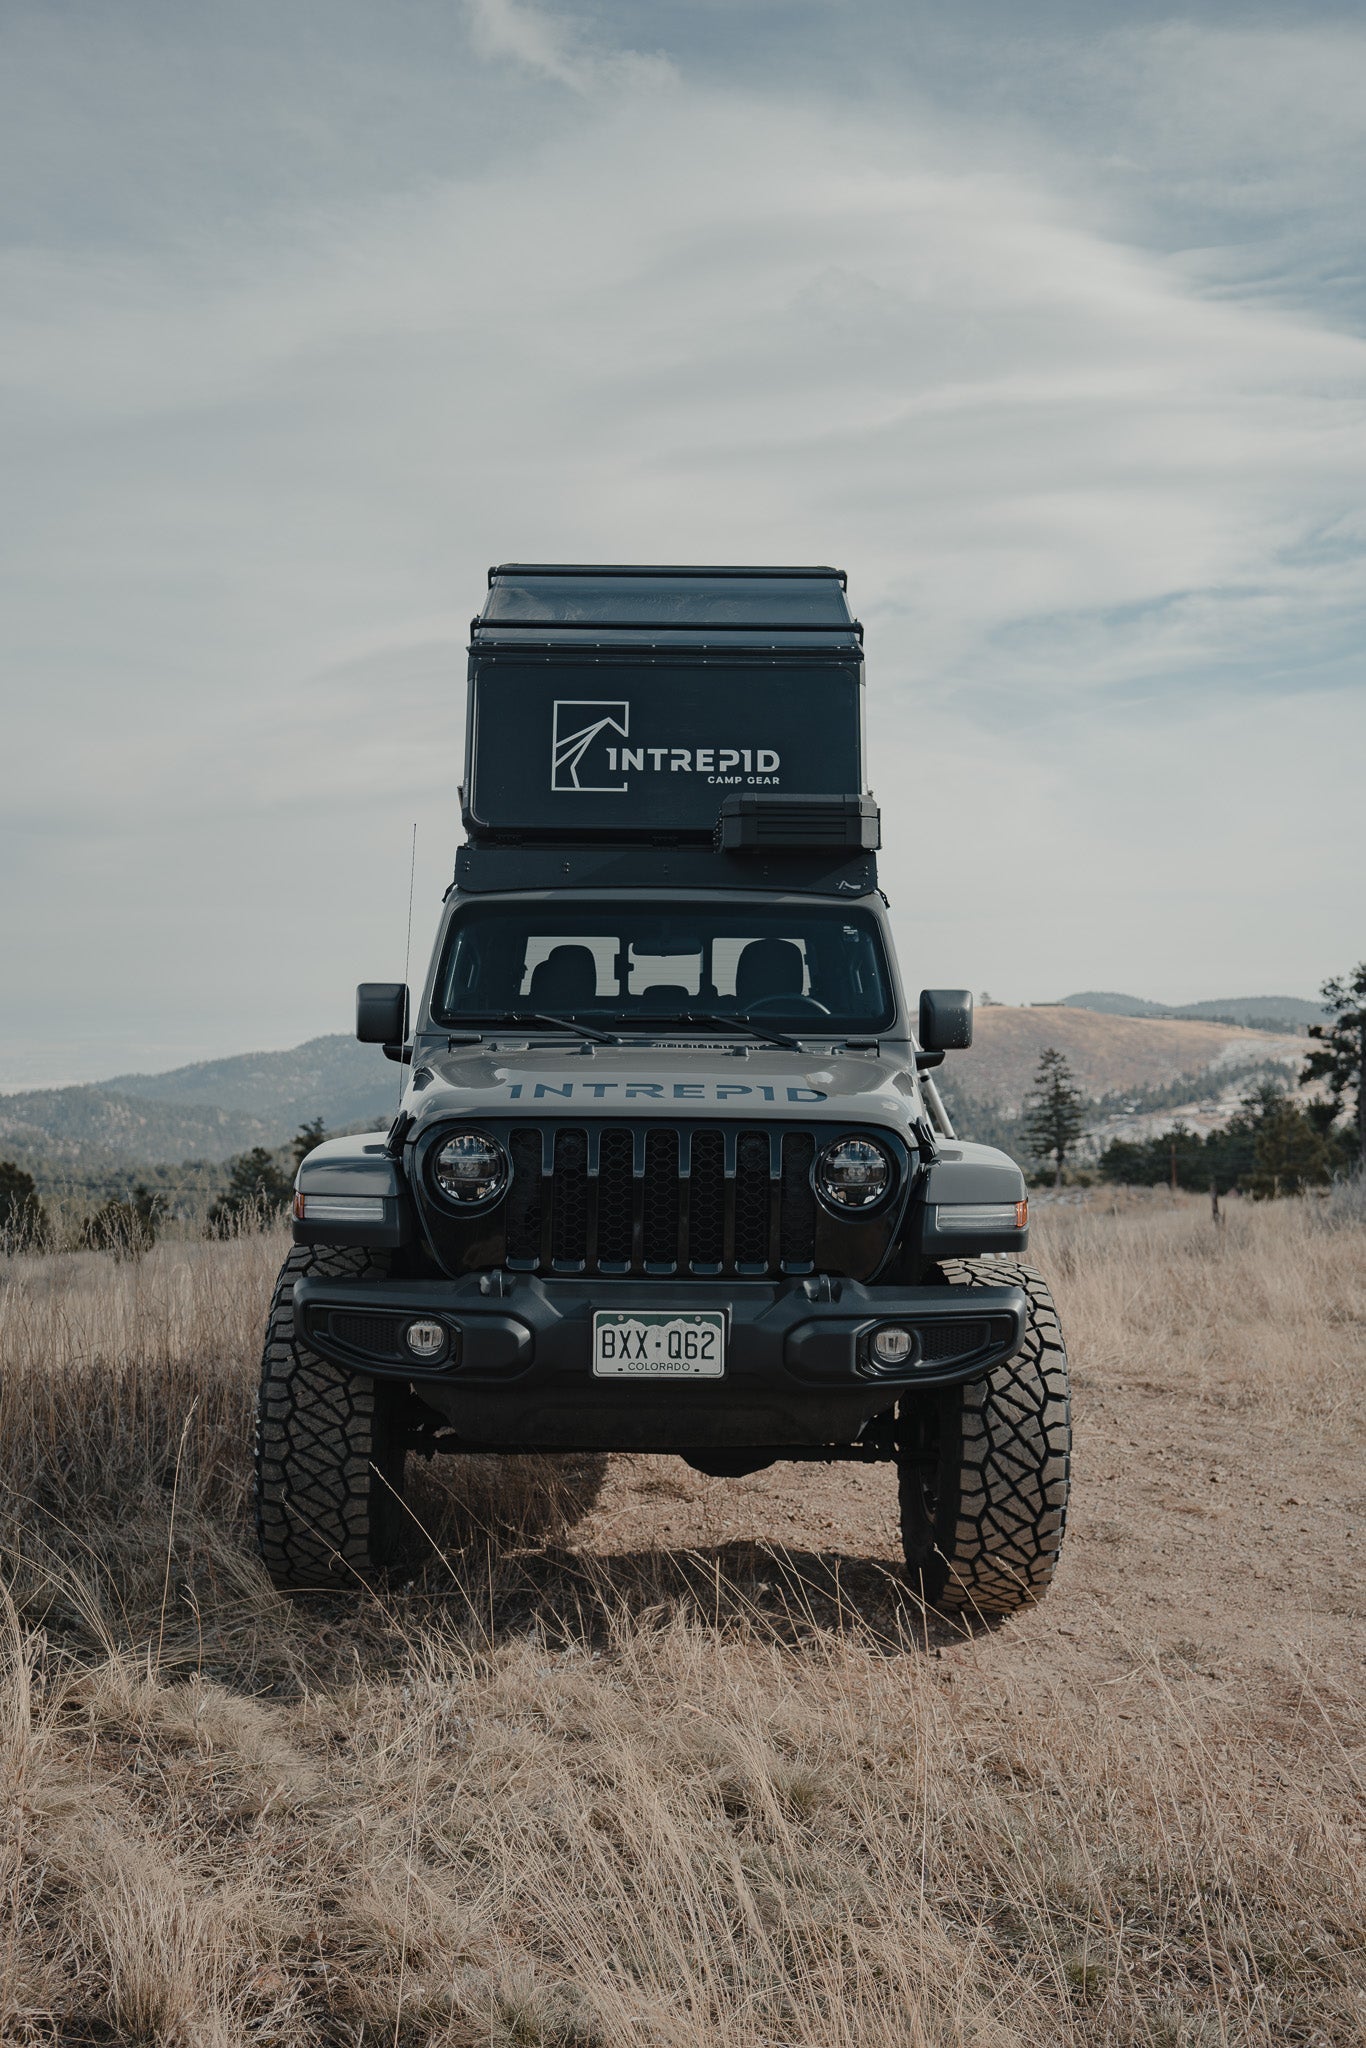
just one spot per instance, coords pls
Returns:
(556, 46)
(1095, 480)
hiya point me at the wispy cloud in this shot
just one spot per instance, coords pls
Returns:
(558, 46)
(1087, 431)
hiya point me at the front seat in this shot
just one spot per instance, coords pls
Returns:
(565, 980)
(768, 967)
(666, 999)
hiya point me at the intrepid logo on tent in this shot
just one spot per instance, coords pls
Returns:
(583, 743)
(578, 721)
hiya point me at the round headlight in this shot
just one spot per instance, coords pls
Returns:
(853, 1173)
(472, 1170)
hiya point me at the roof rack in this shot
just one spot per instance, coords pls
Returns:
(657, 569)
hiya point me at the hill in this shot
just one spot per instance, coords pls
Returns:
(332, 1077)
(206, 1111)
(215, 1108)
(1262, 1013)
(1108, 1054)
(70, 1125)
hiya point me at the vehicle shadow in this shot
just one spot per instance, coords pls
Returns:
(497, 1557)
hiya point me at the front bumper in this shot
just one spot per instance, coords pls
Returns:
(517, 1373)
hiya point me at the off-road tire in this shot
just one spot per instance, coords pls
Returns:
(984, 1467)
(329, 1448)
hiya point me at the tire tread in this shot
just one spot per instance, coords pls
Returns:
(327, 1463)
(1000, 1537)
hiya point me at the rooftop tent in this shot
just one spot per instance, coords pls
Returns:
(617, 704)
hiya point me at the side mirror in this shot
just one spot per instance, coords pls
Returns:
(382, 1012)
(945, 1019)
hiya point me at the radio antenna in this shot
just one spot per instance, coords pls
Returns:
(408, 946)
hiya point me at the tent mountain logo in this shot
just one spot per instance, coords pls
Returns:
(578, 722)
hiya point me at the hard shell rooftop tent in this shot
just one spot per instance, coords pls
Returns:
(716, 707)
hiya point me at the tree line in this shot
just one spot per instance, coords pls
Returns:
(258, 1188)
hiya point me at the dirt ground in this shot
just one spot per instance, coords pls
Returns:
(1225, 1543)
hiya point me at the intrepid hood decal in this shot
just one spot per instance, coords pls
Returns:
(673, 1081)
(660, 1091)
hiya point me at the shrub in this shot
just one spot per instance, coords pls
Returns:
(23, 1220)
(125, 1225)
(257, 1194)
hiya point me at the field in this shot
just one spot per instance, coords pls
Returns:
(646, 1758)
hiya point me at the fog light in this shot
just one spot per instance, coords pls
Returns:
(892, 1344)
(425, 1339)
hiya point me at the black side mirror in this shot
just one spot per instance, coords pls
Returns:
(945, 1019)
(382, 1012)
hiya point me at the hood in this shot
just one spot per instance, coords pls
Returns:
(671, 1080)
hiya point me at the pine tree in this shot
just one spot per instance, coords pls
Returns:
(257, 1192)
(1053, 1111)
(1291, 1155)
(306, 1139)
(1340, 1057)
(23, 1220)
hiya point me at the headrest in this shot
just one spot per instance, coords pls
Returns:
(565, 978)
(768, 967)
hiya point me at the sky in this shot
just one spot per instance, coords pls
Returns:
(1047, 325)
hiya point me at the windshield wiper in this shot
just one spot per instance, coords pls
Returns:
(524, 1017)
(742, 1024)
(569, 1024)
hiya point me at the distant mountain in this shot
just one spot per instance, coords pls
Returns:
(1260, 1013)
(1108, 1054)
(333, 1077)
(207, 1111)
(70, 1125)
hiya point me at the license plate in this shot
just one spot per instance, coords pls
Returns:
(659, 1344)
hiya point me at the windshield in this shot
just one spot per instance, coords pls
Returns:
(811, 968)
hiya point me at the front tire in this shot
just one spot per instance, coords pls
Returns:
(329, 1448)
(984, 1468)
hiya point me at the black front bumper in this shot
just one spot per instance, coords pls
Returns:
(517, 1371)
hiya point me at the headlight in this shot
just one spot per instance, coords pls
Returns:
(472, 1170)
(853, 1173)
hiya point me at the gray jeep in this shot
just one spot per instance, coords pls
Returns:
(670, 1172)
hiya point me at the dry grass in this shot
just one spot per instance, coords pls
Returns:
(568, 1791)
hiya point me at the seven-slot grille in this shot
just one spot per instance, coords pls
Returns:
(660, 1199)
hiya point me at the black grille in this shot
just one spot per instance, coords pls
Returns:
(525, 1207)
(657, 1198)
(952, 1340)
(707, 1200)
(616, 1199)
(569, 1213)
(379, 1335)
(660, 1199)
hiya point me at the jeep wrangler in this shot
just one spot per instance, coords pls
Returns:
(670, 1171)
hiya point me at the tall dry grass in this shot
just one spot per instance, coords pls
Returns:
(545, 1794)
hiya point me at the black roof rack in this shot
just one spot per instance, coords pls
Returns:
(669, 605)
(656, 569)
